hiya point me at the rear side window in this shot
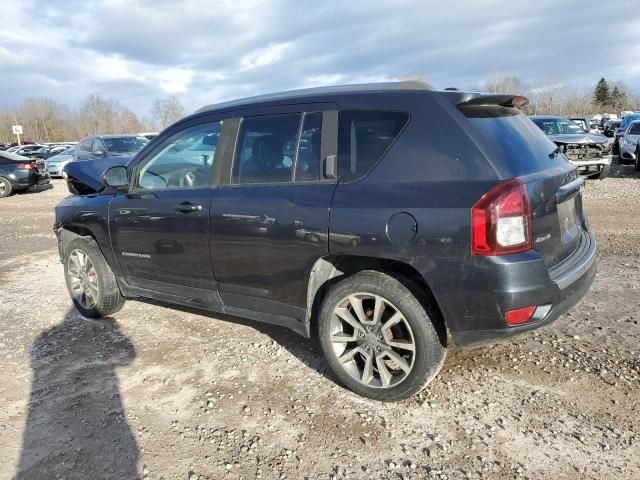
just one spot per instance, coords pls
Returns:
(265, 150)
(519, 141)
(363, 138)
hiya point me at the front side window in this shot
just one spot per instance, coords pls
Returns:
(85, 145)
(363, 138)
(98, 146)
(184, 161)
(265, 149)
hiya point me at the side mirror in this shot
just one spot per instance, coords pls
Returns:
(99, 153)
(116, 178)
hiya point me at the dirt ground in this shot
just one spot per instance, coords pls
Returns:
(162, 393)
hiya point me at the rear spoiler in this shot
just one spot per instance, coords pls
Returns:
(499, 99)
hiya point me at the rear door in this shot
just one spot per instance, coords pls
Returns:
(270, 219)
(160, 228)
(553, 184)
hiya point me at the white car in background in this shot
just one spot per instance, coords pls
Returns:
(56, 163)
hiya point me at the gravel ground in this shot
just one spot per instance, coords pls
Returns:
(163, 393)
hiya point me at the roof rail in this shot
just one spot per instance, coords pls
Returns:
(308, 92)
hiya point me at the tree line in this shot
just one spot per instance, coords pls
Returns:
(46, 120)
(565, 100)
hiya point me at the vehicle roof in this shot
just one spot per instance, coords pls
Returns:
(318, 92)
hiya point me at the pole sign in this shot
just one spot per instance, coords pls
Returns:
(17, 129)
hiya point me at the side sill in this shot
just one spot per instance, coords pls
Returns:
(287, 322)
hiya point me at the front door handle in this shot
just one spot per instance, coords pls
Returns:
(187, 207)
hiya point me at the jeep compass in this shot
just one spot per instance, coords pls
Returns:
(351, 213)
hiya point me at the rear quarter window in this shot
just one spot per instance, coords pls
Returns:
(363, 138)
(520, 143)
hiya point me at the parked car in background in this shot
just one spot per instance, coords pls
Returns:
(56, 163)
(586, 126)
(474, 231)
(624, 124)
(610, 127)
(629, 143)
(104, 146)
(18, 173)
(591, 153)
(26, 150)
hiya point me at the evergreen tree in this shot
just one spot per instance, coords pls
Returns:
(601, 95)
(618, 97)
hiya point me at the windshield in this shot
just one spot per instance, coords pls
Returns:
(558, 126)
(117, 145)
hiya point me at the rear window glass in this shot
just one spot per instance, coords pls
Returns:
(363, 137)
(519, 141)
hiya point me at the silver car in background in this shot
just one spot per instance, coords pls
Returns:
(56, 163)
(629, 143)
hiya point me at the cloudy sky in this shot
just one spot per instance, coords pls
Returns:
(204, 51)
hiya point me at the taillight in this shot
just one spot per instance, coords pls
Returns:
(501, 220)
(27, 166)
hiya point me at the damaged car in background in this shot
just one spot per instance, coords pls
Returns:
(629, 151)
(591, 153)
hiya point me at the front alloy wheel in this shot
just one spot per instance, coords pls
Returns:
(83, 279)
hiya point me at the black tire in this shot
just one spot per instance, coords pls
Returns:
(604, 173)
(614, 147)
(5, 187)
(109, 299)
(636, 165)
(426, 330)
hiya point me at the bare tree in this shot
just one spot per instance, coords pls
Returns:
(166, 111)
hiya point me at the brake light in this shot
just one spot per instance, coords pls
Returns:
(501, 220)
(521, 315)
(27, 166)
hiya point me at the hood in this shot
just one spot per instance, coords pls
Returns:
(579, 138)
(89, 173)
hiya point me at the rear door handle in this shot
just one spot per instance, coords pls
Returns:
(187, 207)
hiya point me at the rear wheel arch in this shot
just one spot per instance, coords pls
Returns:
(331, 269)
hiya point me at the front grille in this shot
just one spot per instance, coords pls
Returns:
(581, 151)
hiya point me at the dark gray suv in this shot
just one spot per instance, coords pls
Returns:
(379, 218)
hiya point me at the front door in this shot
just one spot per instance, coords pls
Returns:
(270, 223)
(160, 228)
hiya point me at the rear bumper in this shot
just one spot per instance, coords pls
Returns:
(554, 290)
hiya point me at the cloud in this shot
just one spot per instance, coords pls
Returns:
(205, 52)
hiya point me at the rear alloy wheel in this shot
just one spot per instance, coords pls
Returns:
(5, 187)
(378, 338)
(90, 281)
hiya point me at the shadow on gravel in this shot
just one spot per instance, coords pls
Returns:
(36, 189)
(623, 171)
(307, 350)
(76, 426)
